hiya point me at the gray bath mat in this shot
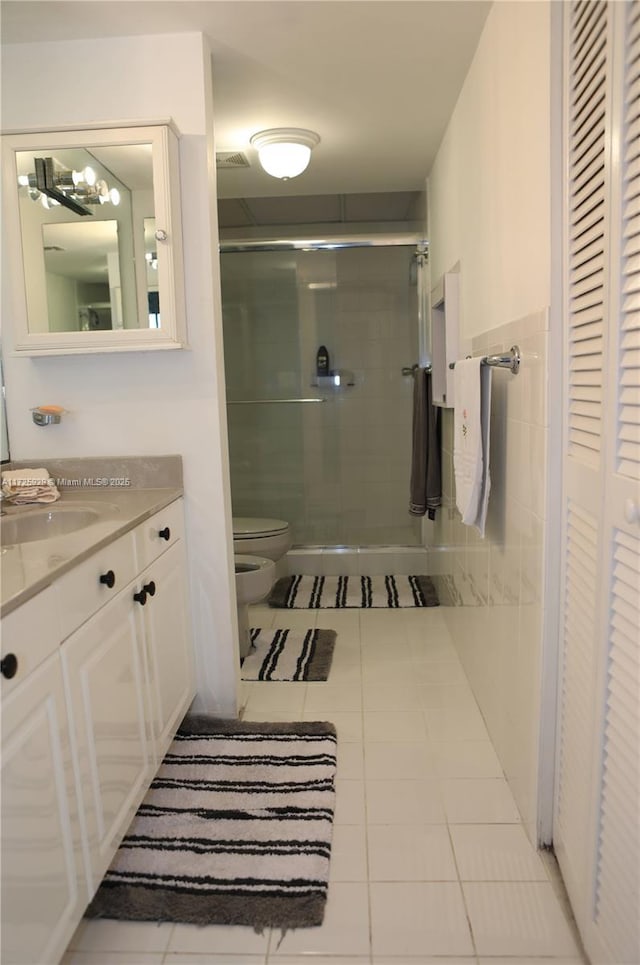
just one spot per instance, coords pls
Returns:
(235, 829)
(321, 592)
(289, 655)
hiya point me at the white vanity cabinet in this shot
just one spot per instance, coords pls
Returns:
(43, 888)
(104, 674)
(167, 649)
(86, 721)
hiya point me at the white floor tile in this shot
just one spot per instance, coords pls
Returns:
(410, 853)
(218, 939)
(518, 918)
(279, 698)
(531, 961)
(455, 724)
(406, 919)
(348, 853)
(390, 696)
(349, 802)
(413, 757)
(497, 852)
(350, 761)
(103, 934)
(329, 698)
(404, 802)
(444, 695)
(318, 960)
(424, 960)
(466, 759)
(348, 724)
(442, 672)
(394, 725)
(294, 619)
(212, 958)
(344, 931)
(479, 802)
(387, 761)
(113, 958)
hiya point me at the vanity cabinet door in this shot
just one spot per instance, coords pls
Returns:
(105, 681)
(168, 644)
(43, 887)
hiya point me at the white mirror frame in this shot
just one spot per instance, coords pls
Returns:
(163, 138)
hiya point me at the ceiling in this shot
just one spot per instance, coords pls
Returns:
(376, 79)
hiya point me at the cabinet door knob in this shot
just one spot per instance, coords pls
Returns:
(9, 666)
(150, 588)
(140, 597)
(109, 579)
(165, 533)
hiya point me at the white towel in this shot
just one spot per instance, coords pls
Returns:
(472, 386)
(29, 486)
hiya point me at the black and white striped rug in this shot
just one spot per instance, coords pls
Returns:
(289, 654)
(323, 592)
(235, 829)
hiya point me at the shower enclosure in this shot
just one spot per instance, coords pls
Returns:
(331, 459)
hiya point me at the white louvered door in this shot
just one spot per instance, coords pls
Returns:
(597, 818)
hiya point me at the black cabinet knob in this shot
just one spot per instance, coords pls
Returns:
(9, 666)
(165, 533)
(109, 579)
(150, 588)
(140, 597)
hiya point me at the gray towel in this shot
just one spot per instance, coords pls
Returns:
(426, 481)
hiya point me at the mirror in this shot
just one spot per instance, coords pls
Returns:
(80, 265)
(95, 212)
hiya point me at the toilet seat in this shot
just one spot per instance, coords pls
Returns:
(246, 527)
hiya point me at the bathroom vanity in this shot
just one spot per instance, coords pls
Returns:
(96, 677)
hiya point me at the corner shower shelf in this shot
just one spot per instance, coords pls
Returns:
(337, 379)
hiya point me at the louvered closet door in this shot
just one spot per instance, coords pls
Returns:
(615, 903)
(588, 31)
(598, 793)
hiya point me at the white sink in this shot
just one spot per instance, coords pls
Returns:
(49, 522)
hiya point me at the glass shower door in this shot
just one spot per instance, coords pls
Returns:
(337, 470)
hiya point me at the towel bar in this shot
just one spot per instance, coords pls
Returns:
(510, 360)
(412, 369)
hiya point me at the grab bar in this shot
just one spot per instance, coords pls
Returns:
(412, 369)
(269, 401)
(510, 360)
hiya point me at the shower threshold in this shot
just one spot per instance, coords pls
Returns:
(368, 560)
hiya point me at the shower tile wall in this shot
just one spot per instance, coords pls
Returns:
(499, 579)
(339, 471)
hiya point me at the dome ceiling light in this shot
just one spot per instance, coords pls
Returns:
(284, 152)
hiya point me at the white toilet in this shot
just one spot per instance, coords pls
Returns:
(268, 538)
(255, 576)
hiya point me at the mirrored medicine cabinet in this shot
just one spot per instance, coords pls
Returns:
(100, 264)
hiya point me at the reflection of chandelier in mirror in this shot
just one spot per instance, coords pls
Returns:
(52, 184)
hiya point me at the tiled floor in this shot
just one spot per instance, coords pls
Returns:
(429, 862)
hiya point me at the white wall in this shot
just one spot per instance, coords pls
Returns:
(489, 185)
(150, 402)
(489, 205)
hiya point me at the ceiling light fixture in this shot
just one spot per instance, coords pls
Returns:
(284, 152)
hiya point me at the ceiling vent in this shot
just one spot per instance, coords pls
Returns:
(225, 160)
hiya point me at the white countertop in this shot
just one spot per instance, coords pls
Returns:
(28, 568)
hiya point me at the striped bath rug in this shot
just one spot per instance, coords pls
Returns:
(289, 655)
(235, 829)
(323, 592)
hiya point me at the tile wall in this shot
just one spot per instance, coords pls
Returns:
(337, 471)
(499, 579)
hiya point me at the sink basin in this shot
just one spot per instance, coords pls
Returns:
(48, 522)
